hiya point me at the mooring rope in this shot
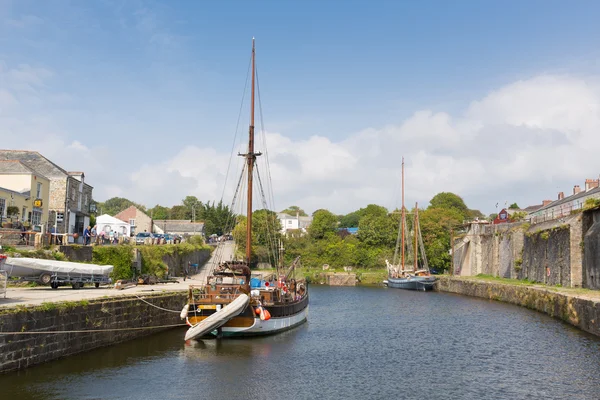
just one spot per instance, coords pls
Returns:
(154, 305)
(92, 330)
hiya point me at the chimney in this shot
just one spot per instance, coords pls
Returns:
(546, 202)
(561, 195)
(591, 184)
(576, 189)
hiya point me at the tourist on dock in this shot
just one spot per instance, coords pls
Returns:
(186, 271)
(23, 234)
(87, 235)
(94, 234)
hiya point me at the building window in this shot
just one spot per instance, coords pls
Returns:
(289, 222)
(2, 207)
(39, 191)
(36, 218)
(24, 214)
(132, 222)
(85, 201)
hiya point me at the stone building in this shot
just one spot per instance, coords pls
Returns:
(25, 189)
(138, 220)
(69, 196)
(564, 205)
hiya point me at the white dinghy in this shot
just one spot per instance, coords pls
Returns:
(219, 318)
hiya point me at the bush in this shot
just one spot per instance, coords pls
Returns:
(196, 240)
(120, 257)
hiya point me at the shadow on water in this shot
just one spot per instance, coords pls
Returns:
(359, 343)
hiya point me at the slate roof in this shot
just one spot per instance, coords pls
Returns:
(179, 226)
(580, 195)
(533, 208)
(24, 194)
(17, 167)
(34, 161)
(14, 167)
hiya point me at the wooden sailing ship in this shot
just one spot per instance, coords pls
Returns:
(231, 302)
(414, 275)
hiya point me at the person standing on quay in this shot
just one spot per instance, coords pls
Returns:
(86, 235)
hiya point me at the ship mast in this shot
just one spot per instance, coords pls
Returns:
(250, 159)
(415, 231)
(403, 217)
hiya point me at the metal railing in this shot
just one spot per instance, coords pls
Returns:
(555, 213)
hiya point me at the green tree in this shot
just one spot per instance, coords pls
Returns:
(217, 218)
(178, 212)
(266, 227)
(292, 210)
(323, 222)
(374, 210)
(350, 220)
(158, 212)
(115, 205)
(449, 200)
(518, 216)
(514, 206)
(436, 224)
(193, 207)
(475, 214)
(378, 230)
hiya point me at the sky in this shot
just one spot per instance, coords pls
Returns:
(498, 102)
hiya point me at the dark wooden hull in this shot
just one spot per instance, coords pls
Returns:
(284, 316)
(423, 283)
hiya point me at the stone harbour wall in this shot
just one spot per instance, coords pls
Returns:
(577, 311)
(550, 252)
(341, 279)
(19, 351)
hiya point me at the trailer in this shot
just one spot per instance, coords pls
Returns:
(78, 282)
(58, 273)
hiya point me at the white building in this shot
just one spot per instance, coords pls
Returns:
(564, 205)
(105, 223)
(295, 222)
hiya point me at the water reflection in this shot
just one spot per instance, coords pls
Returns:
(359, 343)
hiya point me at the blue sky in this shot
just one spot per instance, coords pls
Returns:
(146, 94)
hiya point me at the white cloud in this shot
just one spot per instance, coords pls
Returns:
(521, 142)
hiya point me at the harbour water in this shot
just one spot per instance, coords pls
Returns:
(359, 343)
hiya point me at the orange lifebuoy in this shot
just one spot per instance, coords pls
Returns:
(267, 315)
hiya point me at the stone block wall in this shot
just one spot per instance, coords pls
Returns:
(77, 253)
(19, 351)
(549, 252)
(591, 250)
(58, 188)
(177, 262)
(341, 279)
(547, 256)
(579, 312)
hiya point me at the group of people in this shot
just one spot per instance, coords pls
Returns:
(101, 237)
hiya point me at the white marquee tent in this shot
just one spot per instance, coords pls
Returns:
(107, 223)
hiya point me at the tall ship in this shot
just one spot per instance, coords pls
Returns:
(409, 268)
(231, 302)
